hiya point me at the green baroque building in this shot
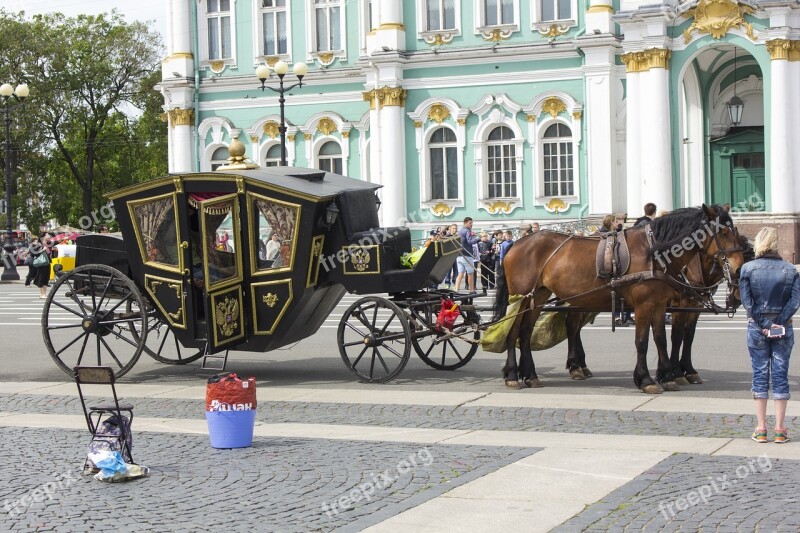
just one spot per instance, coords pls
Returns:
(503, 110)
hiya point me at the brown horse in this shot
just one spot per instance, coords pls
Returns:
(548, 263)
(702, 276)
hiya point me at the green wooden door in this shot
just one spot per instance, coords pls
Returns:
(747, 181)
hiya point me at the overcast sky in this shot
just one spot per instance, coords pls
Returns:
(143, 10)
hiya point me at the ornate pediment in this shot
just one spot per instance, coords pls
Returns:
(718, 17)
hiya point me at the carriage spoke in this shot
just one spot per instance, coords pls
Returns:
(393, 351)
(91, 288)
(455, 349)
(105, 289)
(83, 348)
(372, 363)
(164, 341)
(65, 308)
(73, 341)
(120, 337)
(111, 352)
(361, 318)
(383, 363)
(444, 352)
(349, 344)
(75, 298)
(360, 356)
(50, 328)
(383, 329)
(99, 362)
(121, 301)
(349, 325)
(430, 348)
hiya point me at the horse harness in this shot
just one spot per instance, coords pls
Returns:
(613, 259)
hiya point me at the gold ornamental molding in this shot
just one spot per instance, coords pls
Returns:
(499, 206)
(270, 299)
(307, 136)
(438, 113)
(181, 117)
(783, 49)
(461, 121)
(600, 8)
(325, 58)
(386, 96)
(291, 138)
(271, 60)
(577, 115)
(178, 55)
(556, 205)
(497, 34)
(438, 39)
(442, 209)
(553, 30)
(718, 17)
(646, 59)
(392, 26)
(326, 126)
(345, 134)
(554, 106)
(417, 124)
(217, 66)
(272, 129)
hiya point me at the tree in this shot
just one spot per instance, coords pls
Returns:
(86, 71)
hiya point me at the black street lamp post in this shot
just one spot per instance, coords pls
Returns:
(9, 258)
(281, 69)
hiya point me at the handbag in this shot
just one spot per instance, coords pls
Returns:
(41, 260)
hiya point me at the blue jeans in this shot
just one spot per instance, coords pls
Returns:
(770, 359)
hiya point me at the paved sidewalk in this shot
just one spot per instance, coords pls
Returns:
(456, 461)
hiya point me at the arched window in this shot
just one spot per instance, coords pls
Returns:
(219, 157)
(443, 165)
(330, 157)
(557, 161)
(501, 163)
(273, 157)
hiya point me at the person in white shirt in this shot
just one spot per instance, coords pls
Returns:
(273, 247)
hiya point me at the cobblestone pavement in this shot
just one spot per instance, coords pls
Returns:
(276, 485)
(443, 417)
(701, 493)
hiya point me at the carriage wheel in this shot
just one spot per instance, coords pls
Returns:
(90, 318)
(373, 339)
(442, 352)
(162, 340)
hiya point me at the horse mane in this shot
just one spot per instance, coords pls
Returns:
(673, 227)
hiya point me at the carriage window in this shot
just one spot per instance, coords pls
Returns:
(276, 233)
(156, 229)
(220, 231)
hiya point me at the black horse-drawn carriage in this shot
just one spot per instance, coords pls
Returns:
(251, 259)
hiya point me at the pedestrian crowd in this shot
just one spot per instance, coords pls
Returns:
(481, 253)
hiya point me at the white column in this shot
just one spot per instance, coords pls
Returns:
(633, 145)
(781, 190)
(794, 109)
(392, 159)
(181, 122)
(390, 31)
(178, 27)
(600, 128)
(655, 165)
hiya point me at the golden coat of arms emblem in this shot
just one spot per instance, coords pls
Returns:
(360, 259)
(227, 316)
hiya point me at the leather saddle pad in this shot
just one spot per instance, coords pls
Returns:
(613, 257)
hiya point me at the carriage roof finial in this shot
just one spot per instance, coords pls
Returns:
(237, 160)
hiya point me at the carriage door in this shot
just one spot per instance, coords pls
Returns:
(222, 247)
(162, 243)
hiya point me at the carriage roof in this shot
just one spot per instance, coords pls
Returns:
(309, 183)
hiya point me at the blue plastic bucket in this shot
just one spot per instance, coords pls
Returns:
(231, 429)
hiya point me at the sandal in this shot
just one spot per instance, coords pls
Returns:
(781, 436)
(760, 435)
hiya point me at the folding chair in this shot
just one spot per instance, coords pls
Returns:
(105, 421)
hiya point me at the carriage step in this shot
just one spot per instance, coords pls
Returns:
(215, 361)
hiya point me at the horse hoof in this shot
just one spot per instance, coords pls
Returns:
(587, 372)
(670, 386)
(512, 384)
(576, 374)
(653, 388)
(533, 383)
(682, 381)
(694, 379)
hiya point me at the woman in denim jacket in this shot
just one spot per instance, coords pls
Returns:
(770, 290)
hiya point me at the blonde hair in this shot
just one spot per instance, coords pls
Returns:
(766, 241)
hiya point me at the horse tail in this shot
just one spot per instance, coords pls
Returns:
(501, 295)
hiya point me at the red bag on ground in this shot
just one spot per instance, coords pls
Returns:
(447, 315)
(226, 392)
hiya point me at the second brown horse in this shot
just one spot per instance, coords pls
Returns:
(550, 263)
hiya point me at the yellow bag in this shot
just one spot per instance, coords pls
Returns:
(550, 329)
